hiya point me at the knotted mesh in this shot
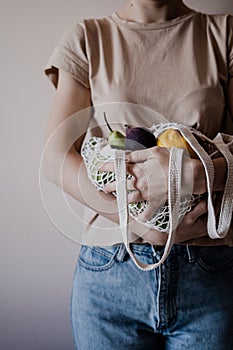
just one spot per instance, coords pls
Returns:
(97, 151)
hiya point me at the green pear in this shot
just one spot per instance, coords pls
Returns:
(116, 139)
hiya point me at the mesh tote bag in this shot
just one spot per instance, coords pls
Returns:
(166, 218)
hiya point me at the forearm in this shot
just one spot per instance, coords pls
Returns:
(194, 175)
(74, 181)
(71, 176)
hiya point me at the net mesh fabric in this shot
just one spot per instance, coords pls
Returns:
(95, 152)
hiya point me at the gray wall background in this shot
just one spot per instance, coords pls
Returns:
(36, 261)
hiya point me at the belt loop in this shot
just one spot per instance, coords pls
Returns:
(121, 253)
(191, 253)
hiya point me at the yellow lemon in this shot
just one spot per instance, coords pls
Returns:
(173, 138)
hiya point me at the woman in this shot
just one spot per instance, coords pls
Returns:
(178, 62)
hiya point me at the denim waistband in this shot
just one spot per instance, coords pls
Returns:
(151, 250)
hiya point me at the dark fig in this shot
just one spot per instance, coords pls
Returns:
(139, 138)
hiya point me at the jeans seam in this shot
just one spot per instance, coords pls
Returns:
(105, 253)
(219, 268)
(97, 268)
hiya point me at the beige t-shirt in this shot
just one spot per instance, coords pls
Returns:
(179, 68)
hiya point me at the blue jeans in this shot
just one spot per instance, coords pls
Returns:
(187, 303)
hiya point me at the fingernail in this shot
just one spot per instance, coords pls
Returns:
(104, 189)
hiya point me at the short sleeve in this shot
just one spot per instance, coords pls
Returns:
(230, 46)
(70, 55)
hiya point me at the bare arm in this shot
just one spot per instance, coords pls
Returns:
(70, 98)
(199, 183)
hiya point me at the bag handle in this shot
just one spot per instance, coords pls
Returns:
(174, 194)
(227, 200)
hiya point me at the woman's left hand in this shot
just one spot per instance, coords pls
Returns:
(149, 169)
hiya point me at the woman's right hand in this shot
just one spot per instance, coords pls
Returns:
(193, 225)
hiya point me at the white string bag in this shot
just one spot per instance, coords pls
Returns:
(96, 152)
(205, 154)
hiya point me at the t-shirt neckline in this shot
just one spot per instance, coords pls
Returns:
(152, 25)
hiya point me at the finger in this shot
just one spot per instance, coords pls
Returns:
(110, 187)
(132, 169)
(131, 184)
(140, 156)
(108, 166)
(155, 237)
(135, 170)
(148, 213)
(135, 197)
(199, 210)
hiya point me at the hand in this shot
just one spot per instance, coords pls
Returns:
(149, 169)
(193, 225)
